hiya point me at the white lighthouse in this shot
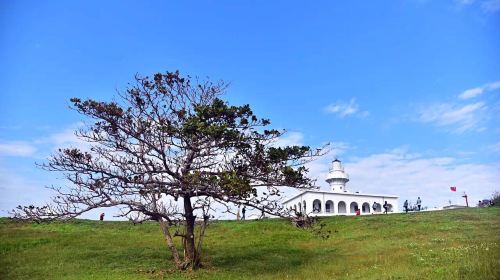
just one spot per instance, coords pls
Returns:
(337, 178)
(339, 201)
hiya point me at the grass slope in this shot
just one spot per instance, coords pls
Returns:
(454, 244)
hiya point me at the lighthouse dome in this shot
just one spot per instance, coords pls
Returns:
(337, 177)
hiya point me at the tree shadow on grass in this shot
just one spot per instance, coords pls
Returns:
(260, 260)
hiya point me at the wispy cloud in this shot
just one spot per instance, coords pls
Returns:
(464, 2)
(65, 138)
(495, 148)
(487, 6)
(18, 148)
(344, 109)
(339, 148)
(408, 175)
(490, 6)
(461, 118)
(27, 187)
(16, 188)
(43, 145)
(289, 139)
(318, 169)
(475, 92)
(462, 114)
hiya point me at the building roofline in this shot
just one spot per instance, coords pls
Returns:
(340, 193)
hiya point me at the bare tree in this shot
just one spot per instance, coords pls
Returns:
(167, 151)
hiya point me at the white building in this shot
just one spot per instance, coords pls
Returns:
(339, 201)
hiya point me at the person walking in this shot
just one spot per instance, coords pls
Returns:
(385, 207)
(419, 203)
(405, 206)
(243, 213)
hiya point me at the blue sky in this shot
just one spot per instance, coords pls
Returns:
(408, 91)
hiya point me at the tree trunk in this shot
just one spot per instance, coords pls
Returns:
(202, 234)
(191, 257)
(170, 243)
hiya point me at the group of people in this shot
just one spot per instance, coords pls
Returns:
(376, 205)
(418, 205)
(485, 203)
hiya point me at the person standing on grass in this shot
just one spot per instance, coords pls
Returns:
(243, 213)
(101, 217)
(374, 206)
(385, 207)
(419, 203)
(405, 206)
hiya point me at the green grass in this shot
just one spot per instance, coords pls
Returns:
(454, 244)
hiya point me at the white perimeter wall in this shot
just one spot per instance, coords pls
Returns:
(348, 199)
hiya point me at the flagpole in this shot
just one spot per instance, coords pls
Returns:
(466, 201)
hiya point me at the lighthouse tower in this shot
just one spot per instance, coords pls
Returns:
(337, 178)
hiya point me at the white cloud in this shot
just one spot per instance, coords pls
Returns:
(474, 92)
(28, 188)
(344, 109)
(491, 6)
(465, 2)
(409, 175)
(470, 93)
(318, 169)
(289, 139)
(64, 138)
(495, 148)
(339, 148)
(18, 148)
(459, 116)
(487, 6)
(16, 189)
(462, 117)
(429, 178)
(61, 139)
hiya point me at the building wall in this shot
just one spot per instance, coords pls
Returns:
(313, 200)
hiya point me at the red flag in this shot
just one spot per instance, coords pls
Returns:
(453, 189)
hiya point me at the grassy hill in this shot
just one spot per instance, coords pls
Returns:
(453, 244)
